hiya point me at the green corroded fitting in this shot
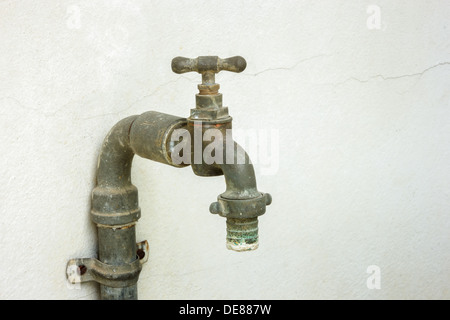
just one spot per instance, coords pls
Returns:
(242, 234)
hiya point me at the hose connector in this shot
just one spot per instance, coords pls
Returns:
(242, 220)
(242, 234)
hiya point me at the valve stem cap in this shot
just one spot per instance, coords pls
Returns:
(242, 234)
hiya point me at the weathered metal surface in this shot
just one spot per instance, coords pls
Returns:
(197, 130)
(208, 101)
(115, 206)
(150, 136)
(116, 156)
(241, 208)
(208, 64)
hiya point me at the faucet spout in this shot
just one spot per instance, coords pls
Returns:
(239, 174)
(241, 203)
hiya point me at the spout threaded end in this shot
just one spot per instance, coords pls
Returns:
(242, 234)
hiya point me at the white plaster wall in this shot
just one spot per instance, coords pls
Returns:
(362, 116)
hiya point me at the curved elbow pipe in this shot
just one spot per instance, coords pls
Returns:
(239, 175)
(115, 198)
(116, 156)
(115, 206)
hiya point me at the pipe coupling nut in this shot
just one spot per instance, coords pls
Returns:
(241, 208)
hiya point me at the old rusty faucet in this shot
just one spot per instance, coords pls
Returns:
(174, 141)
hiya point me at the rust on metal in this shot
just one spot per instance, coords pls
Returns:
(140, 253)
(208, 89)
(82, 269)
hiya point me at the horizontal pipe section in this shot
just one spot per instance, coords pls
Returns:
(150, 136)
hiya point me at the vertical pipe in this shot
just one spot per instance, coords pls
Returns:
(117, 246)
(115, 207)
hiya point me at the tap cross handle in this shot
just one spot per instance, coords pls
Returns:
(208, 66)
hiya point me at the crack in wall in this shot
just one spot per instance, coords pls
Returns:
(385, 78)
(286, 68)
(154, 91)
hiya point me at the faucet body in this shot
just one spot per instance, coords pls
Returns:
(115, 206)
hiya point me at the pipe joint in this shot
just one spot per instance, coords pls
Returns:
(241, 208)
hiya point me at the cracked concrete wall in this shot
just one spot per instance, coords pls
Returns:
(356, 92)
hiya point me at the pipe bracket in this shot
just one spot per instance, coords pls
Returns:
(90, 269)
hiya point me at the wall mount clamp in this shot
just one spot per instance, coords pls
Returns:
(91, 269)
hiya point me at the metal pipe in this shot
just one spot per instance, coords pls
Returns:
(239, 175)
(113, 198)
(115, 206)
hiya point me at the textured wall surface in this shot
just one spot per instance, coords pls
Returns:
(357, 95)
